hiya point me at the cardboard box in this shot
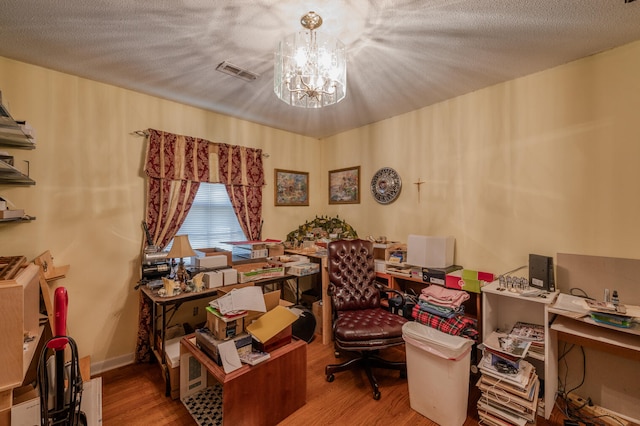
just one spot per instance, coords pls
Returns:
(275, 250)
(217, 252)
(213, 279)
(272, 329)
(258, 271)
(438, 275)
(172, 352)
(287, 260)
(468, 280)
(213, 261)
(251, 251)
(229, 276)
(209, 344)
(271, 300)
(304, 269)
(430, 252)
(224, 328)
(26, 406)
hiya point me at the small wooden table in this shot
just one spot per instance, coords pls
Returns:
(264, 394)
(163, 309)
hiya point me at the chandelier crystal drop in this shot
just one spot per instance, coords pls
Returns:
(310, 68)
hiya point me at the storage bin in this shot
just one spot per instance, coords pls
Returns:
(438, 366)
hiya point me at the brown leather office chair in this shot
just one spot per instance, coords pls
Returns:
(359, 323)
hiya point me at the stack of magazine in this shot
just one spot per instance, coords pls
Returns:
(509, 384)
(533, 333)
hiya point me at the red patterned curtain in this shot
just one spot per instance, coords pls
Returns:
(175, 165)
(240, 169)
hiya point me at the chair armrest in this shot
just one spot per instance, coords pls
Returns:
(383, 288)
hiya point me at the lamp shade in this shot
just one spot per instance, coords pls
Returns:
(181, 247)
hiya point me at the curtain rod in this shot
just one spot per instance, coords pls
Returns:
(144, 134)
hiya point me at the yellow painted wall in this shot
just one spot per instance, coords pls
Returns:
(89, 194)
(543, 164)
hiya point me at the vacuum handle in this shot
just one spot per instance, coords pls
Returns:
(60, 303)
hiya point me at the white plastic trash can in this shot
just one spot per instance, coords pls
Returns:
(437, 373)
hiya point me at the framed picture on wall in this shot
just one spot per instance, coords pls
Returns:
(291, 188)
(344, 186)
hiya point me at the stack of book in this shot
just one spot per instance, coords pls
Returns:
(609, 313)
(509, 384)
(533, 333)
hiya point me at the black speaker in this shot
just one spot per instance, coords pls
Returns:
(304, 327)
(541, 272)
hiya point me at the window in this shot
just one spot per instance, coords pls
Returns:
(211, 219)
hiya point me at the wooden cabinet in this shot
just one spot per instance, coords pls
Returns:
(19, 318)
(264, 394)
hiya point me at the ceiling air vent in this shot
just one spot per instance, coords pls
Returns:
(236, 71)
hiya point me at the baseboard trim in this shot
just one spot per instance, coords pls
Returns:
(110, 364)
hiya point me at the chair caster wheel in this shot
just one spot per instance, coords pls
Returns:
(330, 378)
(376, 396)
(336, 354)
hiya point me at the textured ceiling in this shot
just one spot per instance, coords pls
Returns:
(402, 54)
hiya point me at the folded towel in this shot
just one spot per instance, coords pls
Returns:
(442, 311)
(443, 296)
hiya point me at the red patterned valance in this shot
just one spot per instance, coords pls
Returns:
(176, 157)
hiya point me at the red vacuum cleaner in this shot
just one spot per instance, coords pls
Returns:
(59, 381)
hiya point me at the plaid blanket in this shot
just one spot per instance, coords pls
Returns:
(457, 326)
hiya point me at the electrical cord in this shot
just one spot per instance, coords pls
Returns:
(576, 413)
(573, 290)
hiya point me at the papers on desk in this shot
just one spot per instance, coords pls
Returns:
(229, 356)
(572, 304)
(240, 299)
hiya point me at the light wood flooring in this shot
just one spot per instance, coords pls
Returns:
(134, 395)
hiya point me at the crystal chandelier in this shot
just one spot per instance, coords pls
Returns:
(310, 68)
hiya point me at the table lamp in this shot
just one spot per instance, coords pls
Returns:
(181, 248)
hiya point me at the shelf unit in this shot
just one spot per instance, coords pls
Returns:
(49, 273)
(502, 309)
(19, 315)
(473, 306)
(13, 136)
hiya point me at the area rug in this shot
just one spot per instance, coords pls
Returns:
(206, 406)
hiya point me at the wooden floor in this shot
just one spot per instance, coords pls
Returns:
(134, 395)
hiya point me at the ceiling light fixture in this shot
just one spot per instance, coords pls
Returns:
(310, 68)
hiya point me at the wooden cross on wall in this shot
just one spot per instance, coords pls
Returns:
(418, 183)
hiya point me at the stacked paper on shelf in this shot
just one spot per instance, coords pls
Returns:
(508, 395)
(533, 333)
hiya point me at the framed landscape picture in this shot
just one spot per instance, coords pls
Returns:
(291, 188)
(344, 186)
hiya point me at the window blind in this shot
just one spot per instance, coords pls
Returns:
(211, 219)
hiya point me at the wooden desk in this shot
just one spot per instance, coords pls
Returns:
(264, 394)
(161, 307)
(579, 329)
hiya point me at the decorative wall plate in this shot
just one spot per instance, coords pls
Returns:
(386, 185)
